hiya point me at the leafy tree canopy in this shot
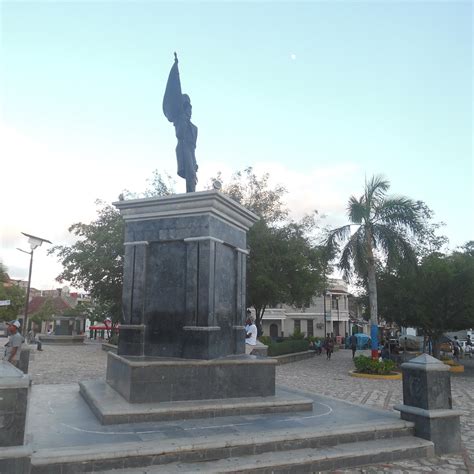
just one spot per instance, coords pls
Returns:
(285, 265)
(95, 261)
(437, 296)
(14, 293)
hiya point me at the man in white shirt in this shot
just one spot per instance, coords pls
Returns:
(13, 346)
(251, 336)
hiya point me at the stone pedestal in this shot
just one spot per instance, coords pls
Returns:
(184, 276)
(182, 338)
(14, 457)
(427, 402)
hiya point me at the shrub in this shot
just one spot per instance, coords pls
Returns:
(113, 339)
(366, 365)
(297, 335)
(287, 347)
(267, 340)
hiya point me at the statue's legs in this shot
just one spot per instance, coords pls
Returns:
(191, 184)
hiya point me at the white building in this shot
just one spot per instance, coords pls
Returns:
(285, 320)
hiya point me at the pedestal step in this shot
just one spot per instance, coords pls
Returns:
(297, 449)
(304, 460)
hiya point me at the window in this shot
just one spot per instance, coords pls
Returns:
(334, 302)
(297, 325)
(310, 328)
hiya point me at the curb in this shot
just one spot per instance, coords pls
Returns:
(353, 373)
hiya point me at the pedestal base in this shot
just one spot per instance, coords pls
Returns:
(111, 408)
(146, 380)
(442, 427)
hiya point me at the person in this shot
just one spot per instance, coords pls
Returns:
(13, 346)
(177, 109)
(329, 345)
(316, 346)
(469, 346)
(456, 348)
(251, 335)
(353, 344)
(385, 353)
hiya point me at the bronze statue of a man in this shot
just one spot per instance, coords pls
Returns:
(177, 109)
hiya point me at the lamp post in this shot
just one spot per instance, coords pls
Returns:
(324, 302)
(34, 242)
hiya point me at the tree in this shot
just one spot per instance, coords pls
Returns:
(95, 261)
(11, 292)
(285, 266)
(384, 229)
(45, 313)
(435, 297)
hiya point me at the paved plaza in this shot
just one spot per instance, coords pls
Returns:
(70, 364)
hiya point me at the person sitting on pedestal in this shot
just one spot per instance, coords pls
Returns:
(251, 335)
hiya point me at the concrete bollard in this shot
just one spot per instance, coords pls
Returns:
(14, 385)
(427, 402)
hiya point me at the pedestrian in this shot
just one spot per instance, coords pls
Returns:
(251, 335)
(469, 346)
(456, 348)
(15, 341)
(353, 344)
(329, 345)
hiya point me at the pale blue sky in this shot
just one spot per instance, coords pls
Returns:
(320, 94)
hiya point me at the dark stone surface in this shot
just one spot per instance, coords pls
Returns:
(444, 432)
(24, 362)
(167, 380)
(183, 275)
(427, 402)
(426, 383)
(13, 405)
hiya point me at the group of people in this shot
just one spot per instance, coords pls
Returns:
(329, 343)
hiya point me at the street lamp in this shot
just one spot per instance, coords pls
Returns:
(34, 242)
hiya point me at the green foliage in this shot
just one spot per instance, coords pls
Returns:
(285, 266)
(267, 340)
(45, 312)
(95, 261)
(289, 346)
(297, 335)
(437, 296)
(17, 298)
(367, 365)
(113, 339)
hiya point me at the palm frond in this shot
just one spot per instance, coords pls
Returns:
(356, 210)
(375, 189)
(399, 211)
(354, 254)
(393, 243)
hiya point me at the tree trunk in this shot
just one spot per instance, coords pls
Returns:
(259, 312)
(372, 287)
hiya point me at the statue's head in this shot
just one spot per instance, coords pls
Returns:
(187, 107)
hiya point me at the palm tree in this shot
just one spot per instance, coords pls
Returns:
(379, 232)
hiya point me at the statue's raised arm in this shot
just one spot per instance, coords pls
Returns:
(172, 100)
(177, 109)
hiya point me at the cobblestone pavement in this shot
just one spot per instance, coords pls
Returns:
(331, 378)
(69, 364)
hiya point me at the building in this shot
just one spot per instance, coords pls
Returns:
(328, 313)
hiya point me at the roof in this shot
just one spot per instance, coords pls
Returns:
(37, 302)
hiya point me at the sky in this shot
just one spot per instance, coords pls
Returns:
(321, 95)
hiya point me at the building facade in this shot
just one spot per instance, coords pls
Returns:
(328, 313)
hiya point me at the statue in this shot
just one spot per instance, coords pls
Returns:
(177, 109)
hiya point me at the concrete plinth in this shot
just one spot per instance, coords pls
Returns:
(111, 408)
(13, 404)
(427, 402)
(164, 380)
